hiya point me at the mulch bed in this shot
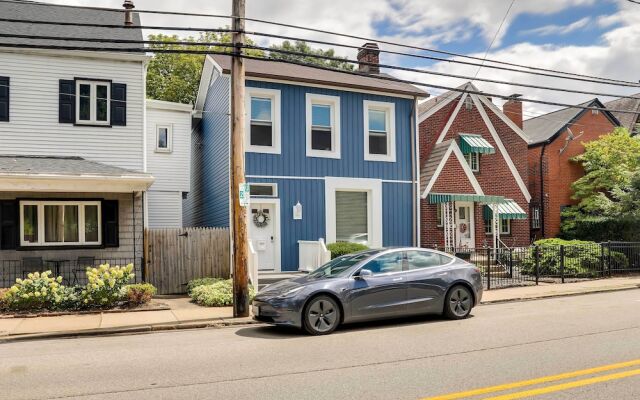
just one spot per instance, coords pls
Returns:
(152, 306)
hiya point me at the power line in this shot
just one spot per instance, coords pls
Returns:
(314, 66)
(486, 53)
(318, 56)
(483, 60)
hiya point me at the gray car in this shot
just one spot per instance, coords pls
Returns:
(370, 285)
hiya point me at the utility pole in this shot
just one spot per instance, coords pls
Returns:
(237, 181)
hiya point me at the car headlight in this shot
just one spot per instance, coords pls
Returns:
(290, 292)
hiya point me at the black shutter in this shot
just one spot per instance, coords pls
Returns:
(118, 104)
(110, 226)
(9, 224)
(4, 98)
(67, 110)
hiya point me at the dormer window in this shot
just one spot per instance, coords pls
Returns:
(93, 102)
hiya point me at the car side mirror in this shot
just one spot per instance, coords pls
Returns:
(364, 273)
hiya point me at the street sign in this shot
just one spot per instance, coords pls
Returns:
(244, 194)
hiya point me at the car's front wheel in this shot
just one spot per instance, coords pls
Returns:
(321, 315)
(458, 302)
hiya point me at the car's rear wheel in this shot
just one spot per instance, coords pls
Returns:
(458, 302)
(321, 315)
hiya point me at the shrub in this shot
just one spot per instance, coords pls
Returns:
(341, 248)
(105, 285)
(200, 282)
(37, 291)
(140, 293)
(216, 294)
(3, 293)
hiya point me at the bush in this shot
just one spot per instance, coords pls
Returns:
(580, 258)
(217, 294)
(200, 282)
(139, 294)
(3, 293)
(341, 248)
(38, 291)
(106, 285)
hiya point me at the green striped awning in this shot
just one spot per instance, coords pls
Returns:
(435, 198)
(509, 209)
(475, 144)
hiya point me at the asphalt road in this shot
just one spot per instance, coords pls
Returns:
(409, 359)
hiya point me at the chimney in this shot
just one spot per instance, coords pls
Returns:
(513, 109)
(128, 15)
(369, 53)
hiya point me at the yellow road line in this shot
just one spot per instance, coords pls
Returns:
(566, 386)
(536, 381)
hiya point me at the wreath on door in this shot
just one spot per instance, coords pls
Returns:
(463, 228)
(260, 219)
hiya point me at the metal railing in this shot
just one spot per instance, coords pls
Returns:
(73, 272)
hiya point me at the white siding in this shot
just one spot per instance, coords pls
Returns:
(34, 129)
(165, 209)
(170, 170)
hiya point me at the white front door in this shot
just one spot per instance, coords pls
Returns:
(465, 236)
(262, 232)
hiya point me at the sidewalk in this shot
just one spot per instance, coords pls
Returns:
(183, 314)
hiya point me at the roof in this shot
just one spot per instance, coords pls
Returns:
(168, 105)
(434, 101)
(26, 11)
(430, 167)
(53, 165)
(545, 128)
(626, 120)
(305, 74)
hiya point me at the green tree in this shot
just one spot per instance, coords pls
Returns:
(176, 76)
(302, 47)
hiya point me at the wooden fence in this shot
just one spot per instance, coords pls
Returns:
(174, 256)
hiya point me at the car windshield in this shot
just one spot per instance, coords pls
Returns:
(339, 265)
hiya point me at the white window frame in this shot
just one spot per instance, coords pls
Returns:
(334, 103)
(274, 95)
(535, 217)
(273, 185)
(439, 221)
(169, 147)
(41, 230)
(470, 158)
(503, 222)
(390, 109)
(93, 103)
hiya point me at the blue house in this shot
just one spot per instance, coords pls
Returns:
(329, 156)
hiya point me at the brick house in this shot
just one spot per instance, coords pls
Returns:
(473, 172)
(627, 120)
(554, 139)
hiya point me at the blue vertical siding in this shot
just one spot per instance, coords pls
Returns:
(397, 214)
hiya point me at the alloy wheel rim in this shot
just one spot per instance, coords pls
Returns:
(460, 302)
(322, 315)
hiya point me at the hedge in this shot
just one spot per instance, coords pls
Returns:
(341, 248)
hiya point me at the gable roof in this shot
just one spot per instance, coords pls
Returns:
(436, 163)
(60, 165)
(545, 128)
(303, 74)
(27, 11)
(626, 120)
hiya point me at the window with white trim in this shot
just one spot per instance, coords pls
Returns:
(93, 104)
(60, 223)
(263, 190)
(505, 226)
(164, 138)
(473, 159)
(439, 218)
(535, 217)
(636, 128)
(263, 121)
(352, 216)
(379, 135)
(323, 125)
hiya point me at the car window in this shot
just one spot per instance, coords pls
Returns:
(425, 259)
(391, 262)
(340, 264)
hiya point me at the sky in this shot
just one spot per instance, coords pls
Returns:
(594, 37)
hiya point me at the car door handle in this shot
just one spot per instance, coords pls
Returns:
(396, 279)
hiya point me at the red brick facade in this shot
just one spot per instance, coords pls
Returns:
(559, 172)
(494, 175)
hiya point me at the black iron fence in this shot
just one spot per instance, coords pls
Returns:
(73, 272)
(520, 266)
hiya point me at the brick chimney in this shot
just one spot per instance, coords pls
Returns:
(369, 53)
(513, 109)
(128, 14)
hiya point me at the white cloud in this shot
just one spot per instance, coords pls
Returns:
(548, 30)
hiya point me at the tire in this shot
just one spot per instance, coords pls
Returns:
(321, 315)
(458, 302)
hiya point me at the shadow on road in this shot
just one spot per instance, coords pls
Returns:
(281, 332)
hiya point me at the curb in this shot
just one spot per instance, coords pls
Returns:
(554, 295)
(193, 324)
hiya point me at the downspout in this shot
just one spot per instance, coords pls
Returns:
(544, 146)
(414, 172)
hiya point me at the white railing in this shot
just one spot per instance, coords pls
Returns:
(253, 266)
(312, 254)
